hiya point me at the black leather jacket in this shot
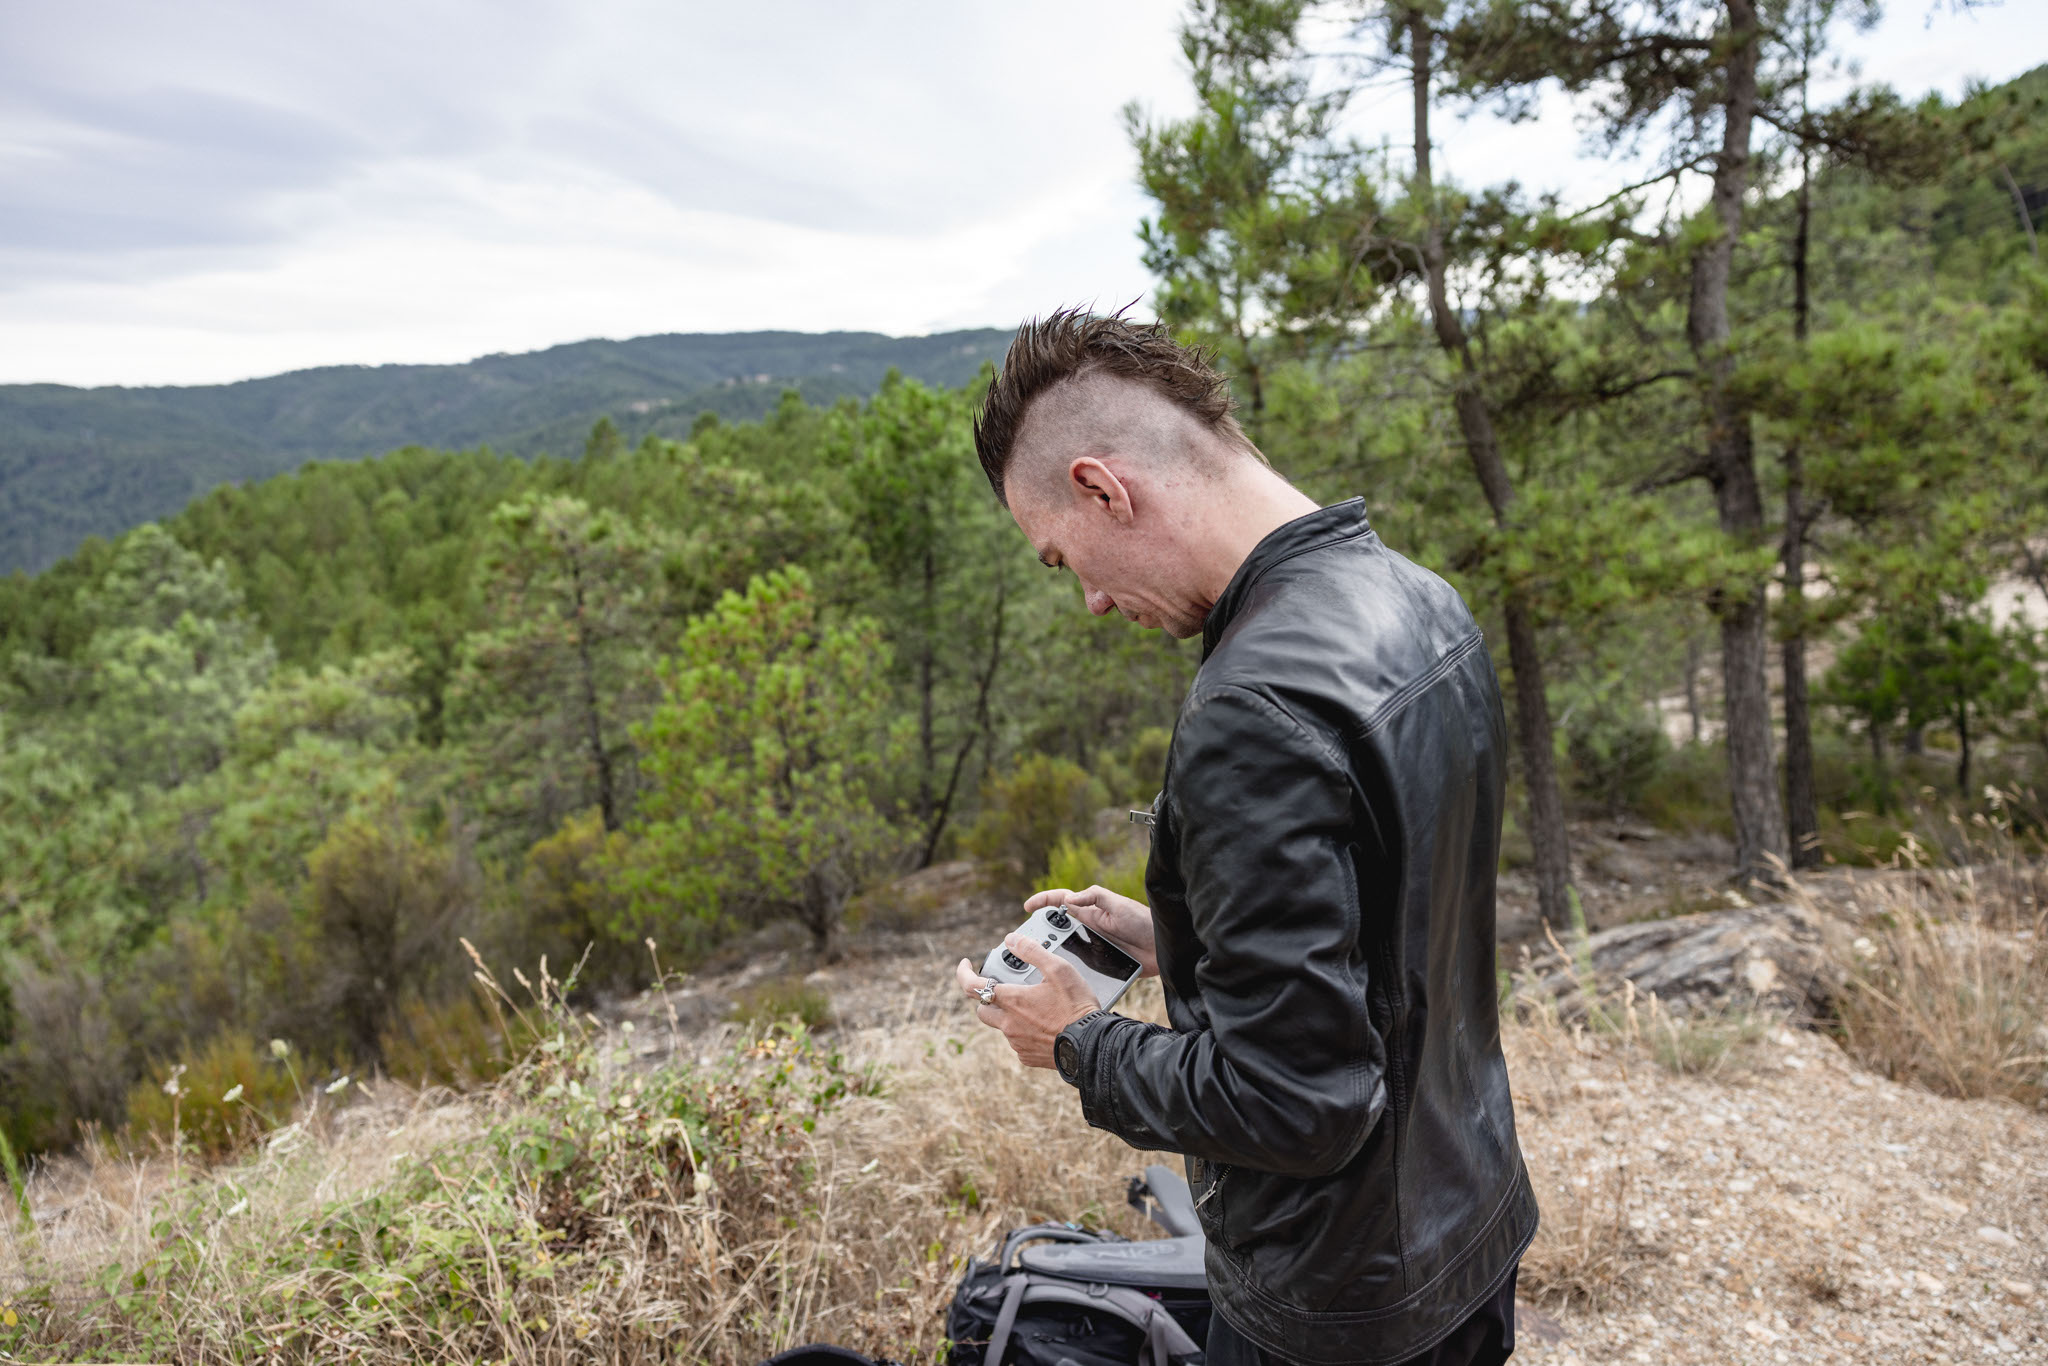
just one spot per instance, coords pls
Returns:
(1322, 888)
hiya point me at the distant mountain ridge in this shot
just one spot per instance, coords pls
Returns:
(84, 462)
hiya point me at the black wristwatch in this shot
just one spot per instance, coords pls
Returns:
(1066, 1054)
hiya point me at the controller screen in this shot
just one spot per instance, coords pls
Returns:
(1106, 968)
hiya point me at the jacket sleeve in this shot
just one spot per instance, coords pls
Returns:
(1290, 1075)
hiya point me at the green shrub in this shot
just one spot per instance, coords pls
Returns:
(1078, 863)
(1028, 811)
(778, 999)
(460, 1042)
(1689, 790)
(1615, 750)
(1134, 773)
(564, 906)
(214, 1102)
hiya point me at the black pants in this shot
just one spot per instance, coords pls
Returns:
(1487, 1338)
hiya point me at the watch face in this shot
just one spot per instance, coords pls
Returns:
(1066, 1056)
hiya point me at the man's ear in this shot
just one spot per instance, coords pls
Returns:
(1097, 484)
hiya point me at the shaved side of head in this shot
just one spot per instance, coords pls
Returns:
(1061, 355)
(1107, 416)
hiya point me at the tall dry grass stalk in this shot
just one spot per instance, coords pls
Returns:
(1950, 984)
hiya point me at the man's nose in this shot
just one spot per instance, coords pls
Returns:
(1098, 601)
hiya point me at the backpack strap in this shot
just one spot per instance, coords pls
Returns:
(1166, 1342)
(1014, 1287)
(1054, 1233)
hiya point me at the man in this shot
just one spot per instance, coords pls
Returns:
(1321, 875)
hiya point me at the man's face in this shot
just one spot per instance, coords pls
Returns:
(1116, 542)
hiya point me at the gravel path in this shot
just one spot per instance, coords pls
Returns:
(1792, 1207)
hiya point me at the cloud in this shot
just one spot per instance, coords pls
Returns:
(157, 169)
(220, 188)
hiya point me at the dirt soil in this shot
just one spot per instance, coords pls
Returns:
(1787, 1207)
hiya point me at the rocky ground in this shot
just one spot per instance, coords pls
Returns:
(1785, 1205)
(1790, 1207)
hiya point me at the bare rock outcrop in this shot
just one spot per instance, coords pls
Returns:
(1778, 957)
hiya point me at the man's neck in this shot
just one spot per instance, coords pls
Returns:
(1246, 512)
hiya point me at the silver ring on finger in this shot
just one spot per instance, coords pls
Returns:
(987, 992)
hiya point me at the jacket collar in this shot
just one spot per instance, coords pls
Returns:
(1310, 531)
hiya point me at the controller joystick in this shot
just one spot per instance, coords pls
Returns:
(1105, 968)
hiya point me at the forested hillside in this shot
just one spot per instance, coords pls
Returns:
(1752, 502)
(94, 462)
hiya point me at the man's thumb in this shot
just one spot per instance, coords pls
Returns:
(1037, 955)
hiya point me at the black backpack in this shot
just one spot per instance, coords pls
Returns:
(1057, 1294)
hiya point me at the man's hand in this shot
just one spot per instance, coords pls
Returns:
(1031, 1017)
(1122, 921)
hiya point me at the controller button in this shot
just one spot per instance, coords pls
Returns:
(1013, 962)
(1058, 918)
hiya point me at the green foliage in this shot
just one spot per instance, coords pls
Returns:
(763, 761)
(769, 1003)
(1690, 791)
(1615, 750)
(215, 1102)
(1135, 773)
(171, 658)
(1029, 810)
(384, 904)
(550, 690)
(461, 1041)
(564, 907)
(1078, 863)
(948, 569)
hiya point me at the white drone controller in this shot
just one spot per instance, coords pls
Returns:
(1107, 969)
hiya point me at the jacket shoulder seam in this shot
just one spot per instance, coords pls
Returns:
(1258, 698)
(1393, 706)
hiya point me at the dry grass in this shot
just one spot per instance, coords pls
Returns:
(1584, 1248)
(703, 1222)
(1586, 1245)
(1950, 985)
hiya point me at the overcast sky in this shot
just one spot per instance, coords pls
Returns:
(201, 191)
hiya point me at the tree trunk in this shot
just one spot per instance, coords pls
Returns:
(1731, 469)
(1963, 747)
(1547, 834)
(926, 667)
(1692, 688)
(1802, 810)
(607, 799)
(1533, 729)
(983, 722)
(821, 917)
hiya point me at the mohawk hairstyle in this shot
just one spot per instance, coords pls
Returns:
(1071, 344)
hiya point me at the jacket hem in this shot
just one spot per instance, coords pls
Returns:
(1406, 1328)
